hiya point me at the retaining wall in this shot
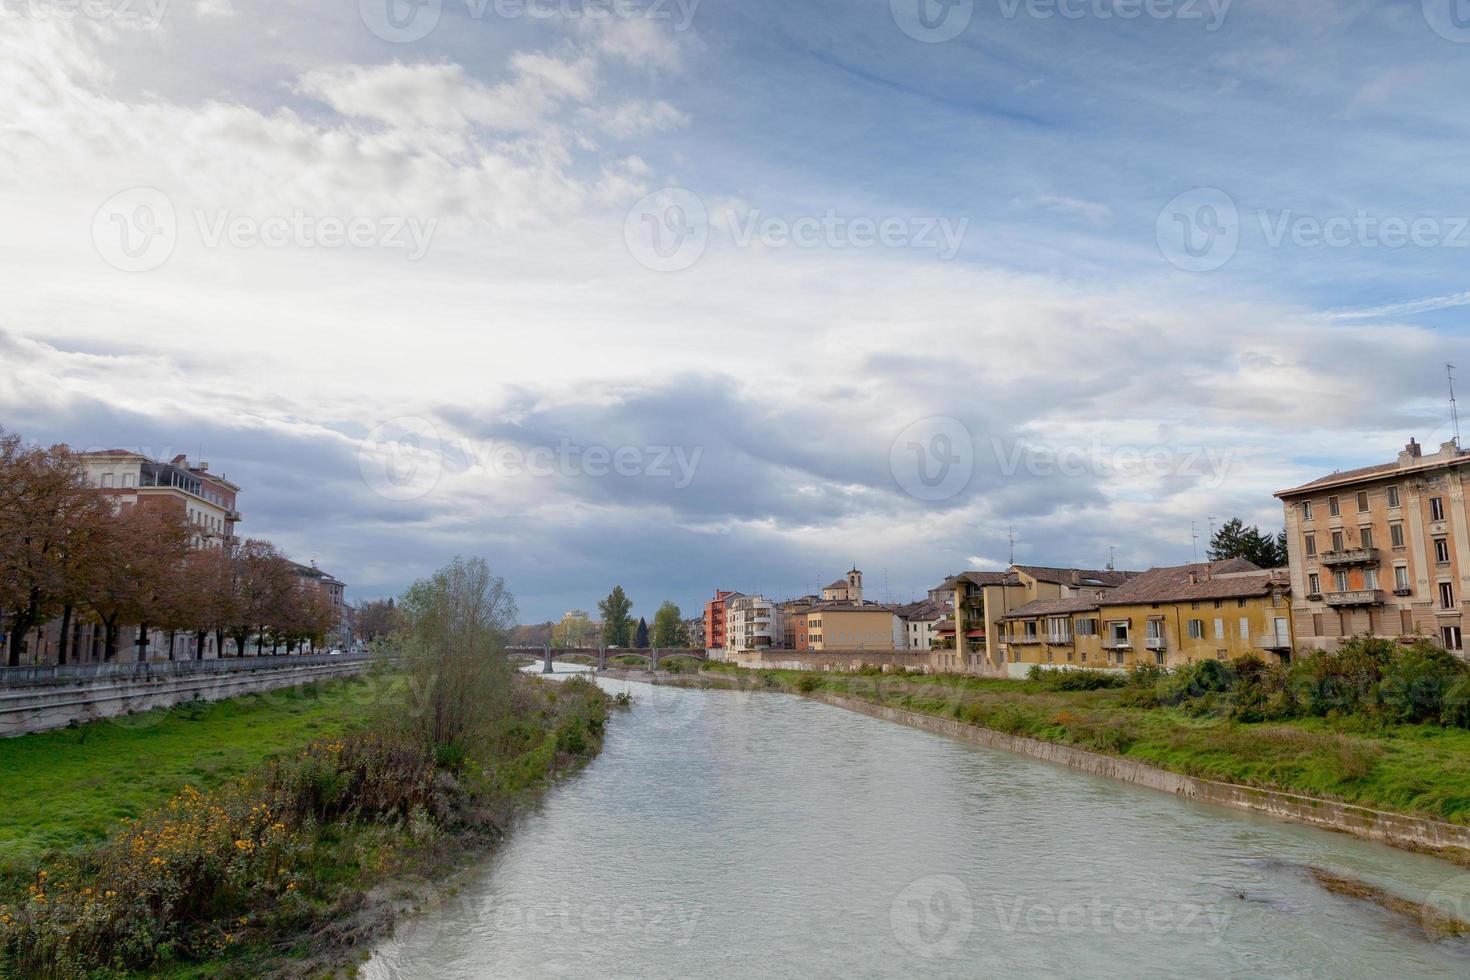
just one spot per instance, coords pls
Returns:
(35, 707)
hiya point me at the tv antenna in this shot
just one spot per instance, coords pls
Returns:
(1449, 371)
(1194, 538)
(1112, 557)
(1011, 537)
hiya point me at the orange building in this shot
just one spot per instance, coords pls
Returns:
(714, 620)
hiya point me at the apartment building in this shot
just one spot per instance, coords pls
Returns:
(842, 625)
(310, 576)
(1382, 549)
(1164, 617)
(714, 619)
(921, 623)
(206, 500)
(982, 601)
(752, 622)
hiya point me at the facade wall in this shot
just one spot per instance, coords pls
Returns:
(843, 629)
(1393, 561)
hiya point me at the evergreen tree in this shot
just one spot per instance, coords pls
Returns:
(1235, 539)
(640, 638)
(617, 627)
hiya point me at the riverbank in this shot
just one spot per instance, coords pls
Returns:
(1406, 785)
(284, 852)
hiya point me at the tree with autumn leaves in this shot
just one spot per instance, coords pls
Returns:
(66, 554)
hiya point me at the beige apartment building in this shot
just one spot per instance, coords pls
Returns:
(1382, 549)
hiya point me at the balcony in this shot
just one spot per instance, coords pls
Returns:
(1405, 591)
(1273, 641)
(1156, 643)
(1026, 638)
(1059, 638)
(1355, 597)
(975, 602)
(1115, 643)
(1350, 556)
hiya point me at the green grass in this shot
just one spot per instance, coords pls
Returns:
(71, 787)
(1417, 769)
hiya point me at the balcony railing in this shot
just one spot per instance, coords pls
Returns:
(1350, 556)
(1273, 641)
(1355, 597)
(1114, 643)
(1155, 642)
(1063, 637)
(1026, 638)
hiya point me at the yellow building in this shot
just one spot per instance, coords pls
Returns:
(844, 626)
(984, 600)
(1165, 617)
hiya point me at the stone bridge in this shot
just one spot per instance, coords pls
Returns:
(601, 655)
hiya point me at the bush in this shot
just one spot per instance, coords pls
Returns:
(1067, 679)
(808, 684)
(1417, 684)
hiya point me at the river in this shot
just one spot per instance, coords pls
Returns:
(736, 834)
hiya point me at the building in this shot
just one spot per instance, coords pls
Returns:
(921, 623)
(794, 629)
(1382, 549)
(984, 599)
(205, 500)
(752, 622)
(1165, 617)
(849, 589)
(714, 620)
(309, 576)
(842, 625)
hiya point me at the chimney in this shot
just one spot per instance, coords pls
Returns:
(1076, 577)
(180, 460)
(1193, 577)
(1410, 454)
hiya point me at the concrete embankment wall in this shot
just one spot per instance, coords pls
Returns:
(40, 707)
(1413, 833)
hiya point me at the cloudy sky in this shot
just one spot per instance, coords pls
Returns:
(687, 294)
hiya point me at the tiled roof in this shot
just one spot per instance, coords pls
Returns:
(1343, 476)
(921, 610)
(982, 578)
(1086, 576)
(1212, 580)
(839, 584)
(1051, 607)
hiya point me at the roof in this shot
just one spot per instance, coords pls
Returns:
(924, 609)
(1234, 578)
(1051, 607)
(842, 605)
(1409, 461)
(1106, 578)
(982, 578)
(839, 584)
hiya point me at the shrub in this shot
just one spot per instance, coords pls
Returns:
(1067, 679)
(808, 683)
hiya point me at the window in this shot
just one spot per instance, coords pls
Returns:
(1365, 537)
(1314, 583)
(1219, 629)
(1436, 508)
(1442, 550)
(128, 479)
(1401, 576)
(1370, 578)
(1087, 627)
(1306, 510)
(1332, 508)
(1218, 604)
(1245, 628)
(1158, 658)
(1340, 578)
(1396, 535)
(1118, 634)
(1393, 496)
(1196, 629)
(1450, 637)
(1240, 603)
(1336, 540)
(1311, 543)
(1362, 501)
(107, 479)
(1446, 595)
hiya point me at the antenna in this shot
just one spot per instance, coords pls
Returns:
(1449, 371)
(1194, 537)
(1011, 536)
(1112, 557)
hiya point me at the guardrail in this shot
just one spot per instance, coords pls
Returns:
(158, 669)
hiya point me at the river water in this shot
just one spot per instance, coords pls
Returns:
(737, 834)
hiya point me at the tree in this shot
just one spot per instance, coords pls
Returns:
(573, 633)
(375, 618)
(1235, 540)
(50, 518)
(456, 624)
(669, 631)
(640, 636)
(617, 627)
(141, 546)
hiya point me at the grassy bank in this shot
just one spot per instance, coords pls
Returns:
(263, 835)
(74, 785)
(1422, 770)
